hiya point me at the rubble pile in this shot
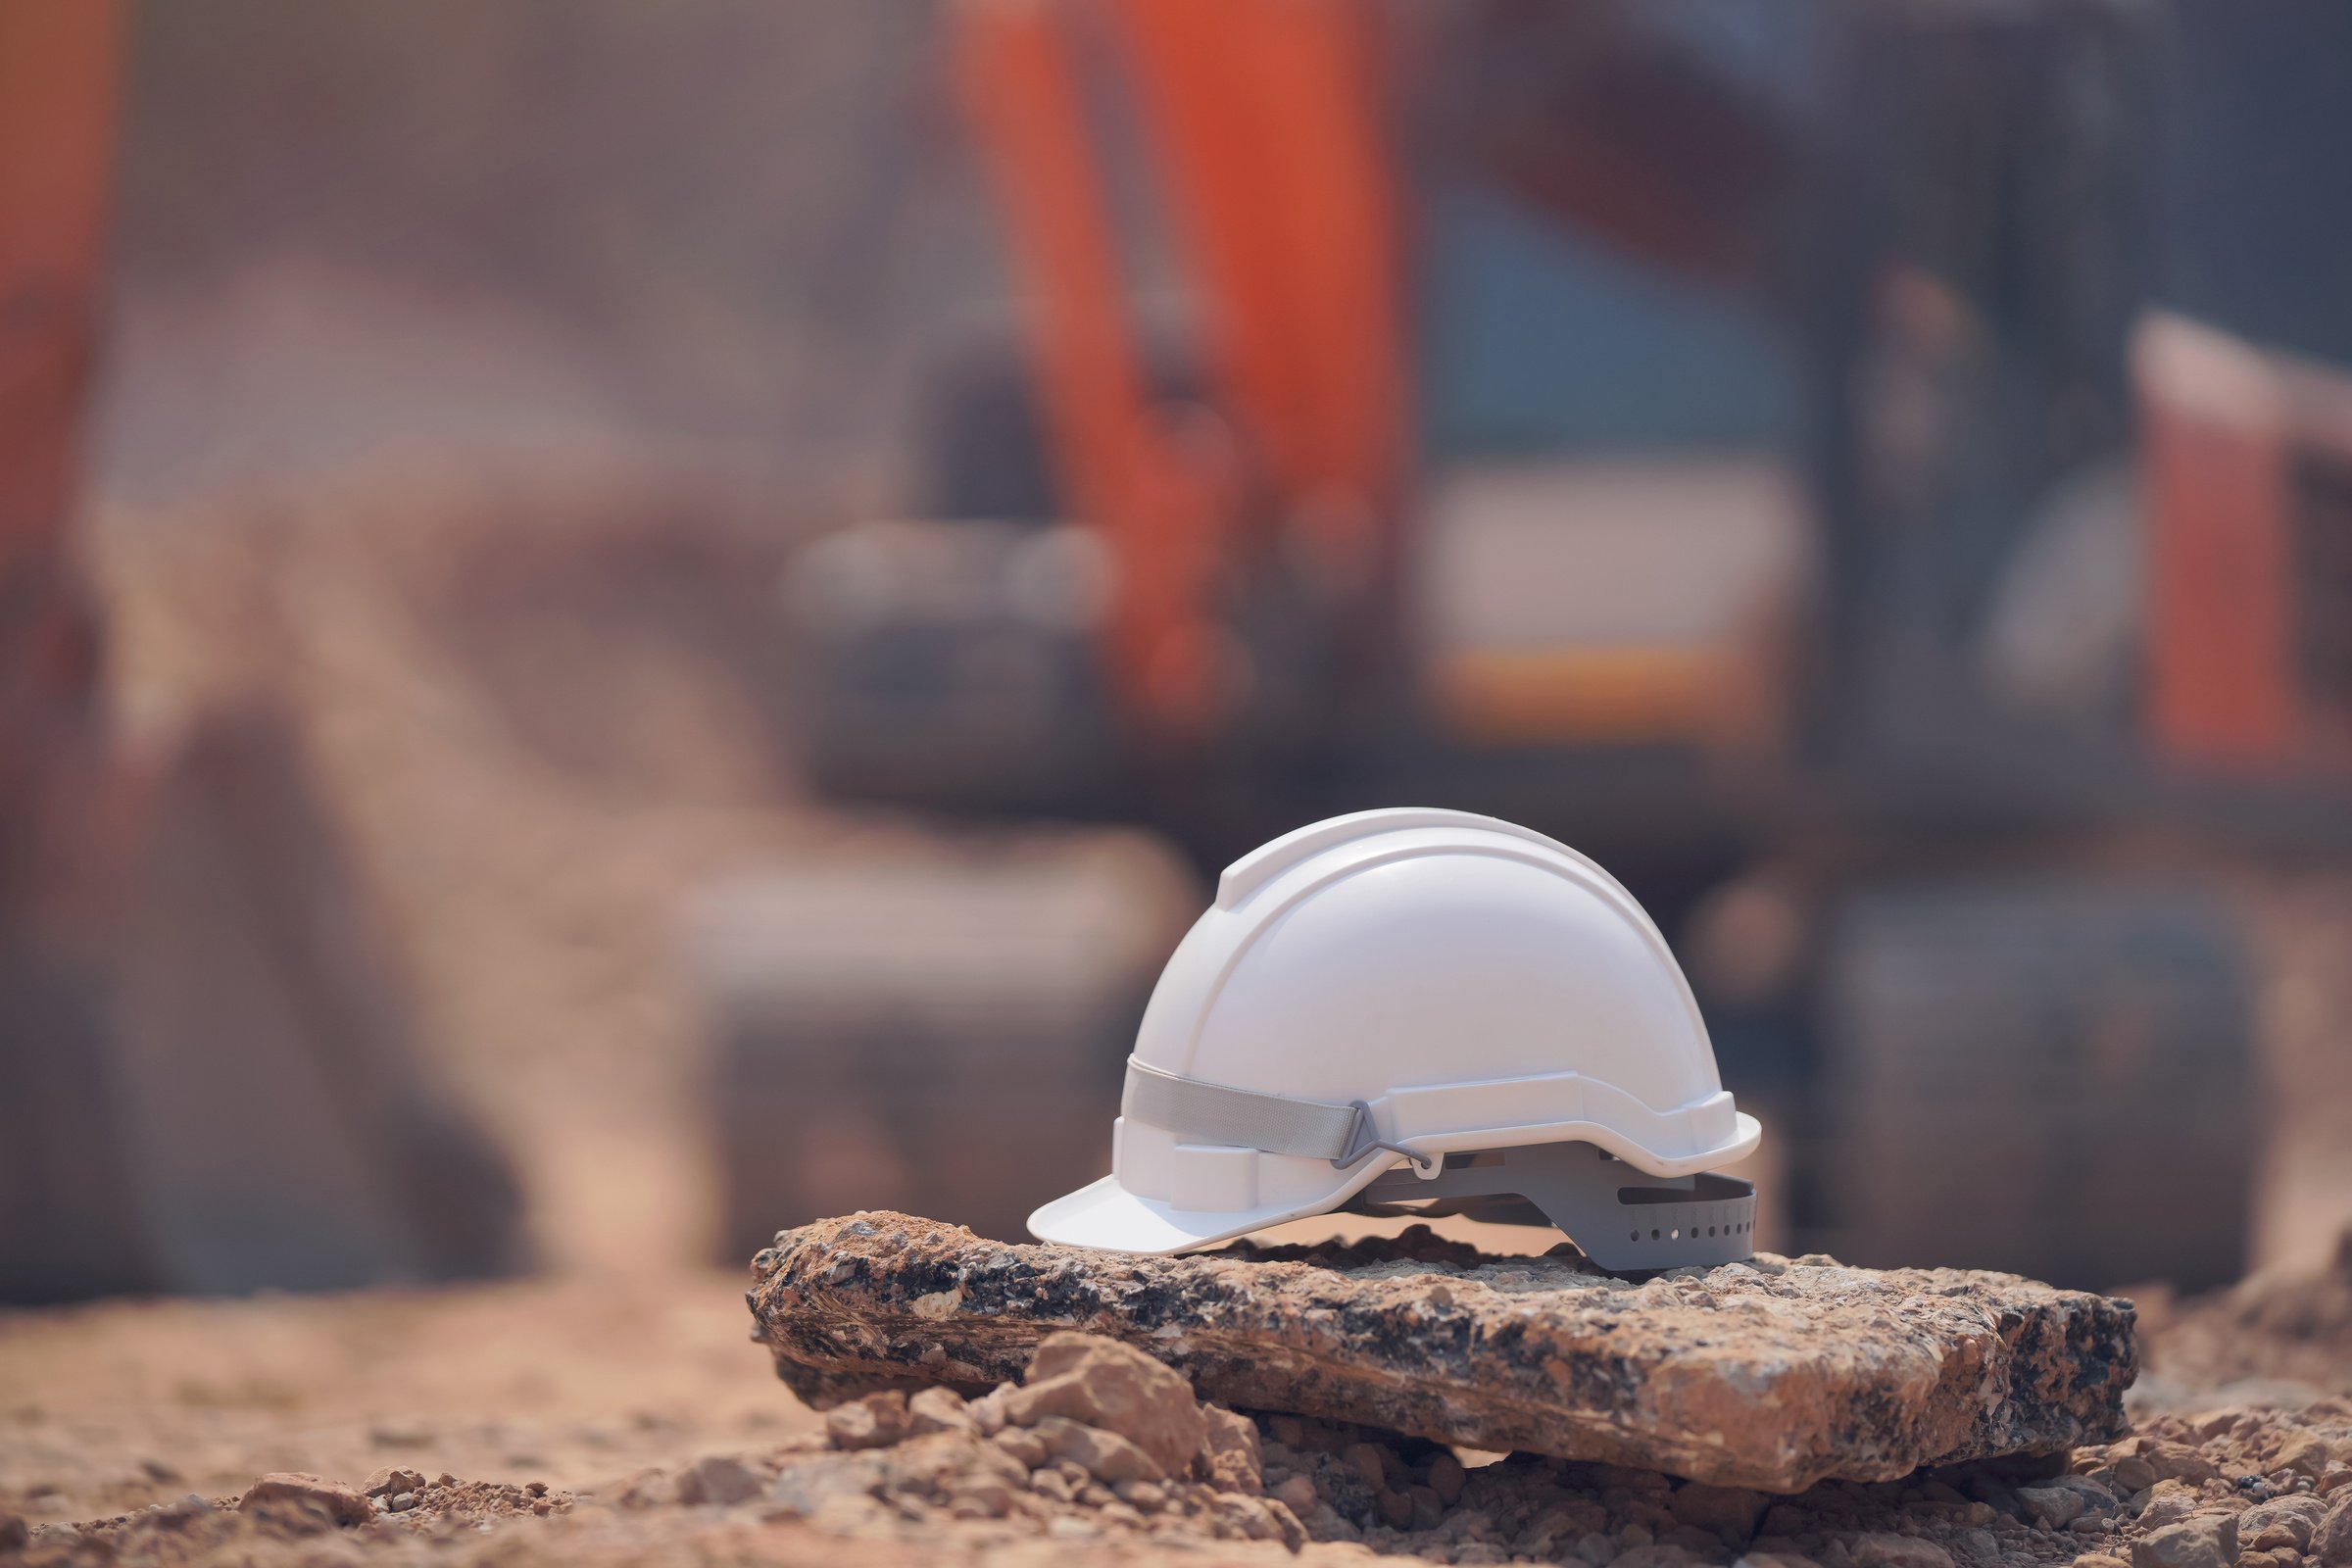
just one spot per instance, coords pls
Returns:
(1100, 1450)
(1772, 1373)
(1100, 1438)
(1105, 1452)
(287, 1514)
(1103, 1442)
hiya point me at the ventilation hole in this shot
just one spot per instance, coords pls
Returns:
(1710, 1230)
(1636, 1236)
(1654, 1235)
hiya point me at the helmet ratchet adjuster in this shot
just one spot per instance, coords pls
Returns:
(1625, 1221)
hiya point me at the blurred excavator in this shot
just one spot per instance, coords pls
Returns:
(206, 1079)
(1743, 443)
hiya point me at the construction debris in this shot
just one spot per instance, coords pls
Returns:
(1771, 1374)
(1104, 1454)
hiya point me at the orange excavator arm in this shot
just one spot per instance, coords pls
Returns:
(60, 70)
(1264, 125)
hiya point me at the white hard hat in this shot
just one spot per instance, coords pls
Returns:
(1431, 990)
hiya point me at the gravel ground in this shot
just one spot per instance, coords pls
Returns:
(595, 1421)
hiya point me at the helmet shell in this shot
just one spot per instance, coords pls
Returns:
(1477, 985)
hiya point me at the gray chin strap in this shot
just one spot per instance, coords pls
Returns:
(1624, 1219)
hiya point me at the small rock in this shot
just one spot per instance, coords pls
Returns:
(939, 1409)
(2287, 1522)
(390, 1480)
(2331, 1539)
(1597, 1550)
(400, 1502)
(1369, 1460)
(2099, 1559)
(1774, 1559)
(719, 1478)
(979, 1497)
(1023, 1444)
(1879, 1548)
(13, 1532)
(345, 1506)
(988, 1410)
(1115, 1388)
(2177, 1461)
(1396, 1509)
(1144, 1497)
(2304, 1453)
(1298, 1494)
(2133, 1474)
(939, 1461)
(2096, 1494)
(1447, 1478)
(1724, 1511)
(1230, 1451)
(805, 1487)
(2051, 1507)
(2169, 1502)
(2208, 1541)
(874, 1422)
(1104, 1454)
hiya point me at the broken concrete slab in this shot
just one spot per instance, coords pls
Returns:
(1772, 1375)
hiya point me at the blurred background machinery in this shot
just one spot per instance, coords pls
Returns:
(1752, 452)
(643, 603)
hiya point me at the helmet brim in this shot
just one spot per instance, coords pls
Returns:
(1103, 1214)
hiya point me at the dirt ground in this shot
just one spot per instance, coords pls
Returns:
(120, 1404)
(590, 1394)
